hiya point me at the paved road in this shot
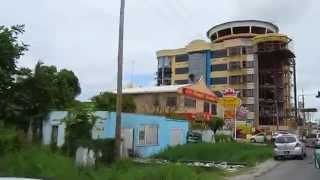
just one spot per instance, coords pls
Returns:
(294, 170)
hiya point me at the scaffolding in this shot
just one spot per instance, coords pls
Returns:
(275, 63)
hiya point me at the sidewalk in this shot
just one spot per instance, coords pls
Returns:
(259, 170)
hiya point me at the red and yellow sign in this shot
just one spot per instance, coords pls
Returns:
(229, 101)
(199, 95)
(228, 114)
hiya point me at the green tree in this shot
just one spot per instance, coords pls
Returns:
(216, 123)
(79, 124)
(107, 101)
(11, 49)
(35, 94)
(26, 96)
(68, 89)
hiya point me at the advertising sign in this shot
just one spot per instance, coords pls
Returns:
(199, 95)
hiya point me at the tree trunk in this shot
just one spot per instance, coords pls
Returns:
(30, 131)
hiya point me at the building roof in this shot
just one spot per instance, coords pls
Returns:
(153, 89)
(243, 22)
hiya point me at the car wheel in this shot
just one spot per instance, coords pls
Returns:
(252, 140)
(276, 158)
(301, 157)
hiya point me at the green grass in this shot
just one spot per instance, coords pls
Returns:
(230, 152)
(39, 162)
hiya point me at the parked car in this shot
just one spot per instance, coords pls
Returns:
(258, 138)
(194, 137)
(289, 146)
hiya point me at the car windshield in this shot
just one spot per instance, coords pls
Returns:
(285, 139)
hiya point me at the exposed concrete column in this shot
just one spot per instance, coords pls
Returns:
(256, 95)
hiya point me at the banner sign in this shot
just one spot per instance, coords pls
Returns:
(199, 95)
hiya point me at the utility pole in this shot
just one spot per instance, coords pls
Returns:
(304, 114)
(295, 91)
(119, 83)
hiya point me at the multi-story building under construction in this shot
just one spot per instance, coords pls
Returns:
(250, 56)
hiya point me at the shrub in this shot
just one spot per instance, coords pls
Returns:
(124, 170)
(223, 138)
(230, 152)
(9, 141)
(106, 147)
(38, 162)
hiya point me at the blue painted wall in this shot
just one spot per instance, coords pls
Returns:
(137, 121)
(208, 67)
(131, 121)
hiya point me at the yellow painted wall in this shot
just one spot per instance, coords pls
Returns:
(181, 64)
(180, 77)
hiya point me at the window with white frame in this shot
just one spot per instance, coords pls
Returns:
(148, 135)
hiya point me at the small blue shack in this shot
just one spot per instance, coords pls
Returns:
(142, 135)
(145, 135)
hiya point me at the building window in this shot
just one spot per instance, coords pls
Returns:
(234, 51)
(164, 61)
(248, 64)
(219, 80)
(206, 107)
(234, 65)
(238, 91)
(241, 29)
(219, 67)
(184, 70)
(247, 50)
(214, 37)
(250, 107)
(248, 93)
(184, 81)
(182, 58)
(269, 31)
(171, 101)
(258, 30)
(248, 78)
(190, 103)
(224, 32)
(213, 109)
(220, 53)
(234, 79)
(148, 135)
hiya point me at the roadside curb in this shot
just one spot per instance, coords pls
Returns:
(257, 171)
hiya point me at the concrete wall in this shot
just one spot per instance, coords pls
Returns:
(54, 119)
(145, 104)
(137, 121)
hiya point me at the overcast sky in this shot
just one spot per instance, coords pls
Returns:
(82, 35)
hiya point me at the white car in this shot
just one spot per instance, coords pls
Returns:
(289, 146)
(258, 138)
(278, 134)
